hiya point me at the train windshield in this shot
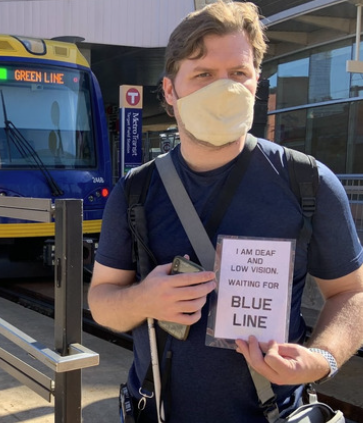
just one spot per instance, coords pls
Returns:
(45, 117)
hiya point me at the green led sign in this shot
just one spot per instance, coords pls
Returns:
(3, 73)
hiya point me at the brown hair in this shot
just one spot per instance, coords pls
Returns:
(220, 18)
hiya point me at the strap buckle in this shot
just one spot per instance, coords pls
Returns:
(311, 392)
(144, 397)
(270, 409)
(308, 205)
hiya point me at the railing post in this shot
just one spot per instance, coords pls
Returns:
(68, 305)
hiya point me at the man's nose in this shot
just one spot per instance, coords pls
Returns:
(223, 75)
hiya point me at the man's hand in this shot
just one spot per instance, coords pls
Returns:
(283, 364)
(121, 304)
(175, 298)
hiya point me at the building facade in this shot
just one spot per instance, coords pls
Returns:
(315, 104)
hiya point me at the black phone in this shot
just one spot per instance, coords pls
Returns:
(180, 265)
(183, 265)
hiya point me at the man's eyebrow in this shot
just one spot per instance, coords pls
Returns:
(202, 69)
(210, 69)
(240, 66)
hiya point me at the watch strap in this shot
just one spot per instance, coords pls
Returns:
(332, 364)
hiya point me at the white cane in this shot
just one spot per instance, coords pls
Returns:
(155, 368)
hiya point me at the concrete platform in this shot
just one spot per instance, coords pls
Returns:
(100, 384)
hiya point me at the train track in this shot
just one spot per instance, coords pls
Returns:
(44, 304)
(22, 294)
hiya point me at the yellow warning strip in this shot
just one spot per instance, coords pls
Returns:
(29, 230)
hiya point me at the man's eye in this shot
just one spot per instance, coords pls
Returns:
(203, 75)
(239, 73)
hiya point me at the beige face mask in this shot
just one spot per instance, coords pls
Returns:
(219, 113)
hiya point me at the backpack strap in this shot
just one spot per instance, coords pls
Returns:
(304, 182)
(136, 188)
(137, 183)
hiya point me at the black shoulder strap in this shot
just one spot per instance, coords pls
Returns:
(137, 183)
(304, 182)
(136, 187)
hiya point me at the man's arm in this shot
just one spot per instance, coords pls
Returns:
(338, 330)
(111, 291)
(119, 303)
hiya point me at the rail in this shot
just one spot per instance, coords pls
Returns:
(69, 356)
(353, 185)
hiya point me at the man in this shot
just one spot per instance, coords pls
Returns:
(212, 69)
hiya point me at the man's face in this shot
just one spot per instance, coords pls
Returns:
(227, 57)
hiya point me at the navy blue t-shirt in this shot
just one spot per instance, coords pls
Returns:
(213, 384)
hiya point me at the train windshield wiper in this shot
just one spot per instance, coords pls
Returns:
(13, 135)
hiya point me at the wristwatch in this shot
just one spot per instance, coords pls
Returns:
(332, 363)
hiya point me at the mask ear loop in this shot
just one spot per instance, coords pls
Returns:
(168, 107)
(178, 98)
(174, 89)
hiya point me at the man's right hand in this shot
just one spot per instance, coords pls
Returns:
(120, 304)
(175, 298)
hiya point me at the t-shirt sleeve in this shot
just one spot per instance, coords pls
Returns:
(335, 249)
(115, 244)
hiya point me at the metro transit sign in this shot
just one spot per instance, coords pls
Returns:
(130, 127)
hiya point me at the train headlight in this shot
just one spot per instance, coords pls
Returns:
(98, 195)
(2, 194)
(33, 45)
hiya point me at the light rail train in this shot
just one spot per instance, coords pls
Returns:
(53, 140)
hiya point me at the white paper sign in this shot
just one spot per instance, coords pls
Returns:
(254, 288)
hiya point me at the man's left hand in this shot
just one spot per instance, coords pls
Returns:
(283, 364)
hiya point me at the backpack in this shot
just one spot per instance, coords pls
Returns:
(304, 183)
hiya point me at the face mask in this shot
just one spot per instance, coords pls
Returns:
(219, 113)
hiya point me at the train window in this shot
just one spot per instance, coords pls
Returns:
(46, 118)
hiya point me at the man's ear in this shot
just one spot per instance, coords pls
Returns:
(168, 90)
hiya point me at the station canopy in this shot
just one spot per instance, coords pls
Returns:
(297, 25)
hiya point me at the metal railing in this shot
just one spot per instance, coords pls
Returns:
(353, 185)
(69, 356)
